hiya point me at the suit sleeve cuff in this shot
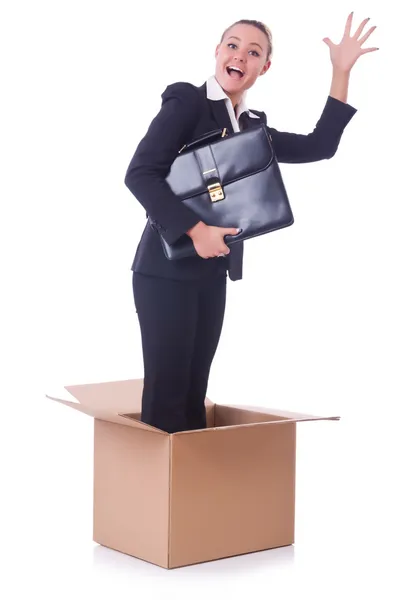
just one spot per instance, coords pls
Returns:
(343, 111)
(173, 233)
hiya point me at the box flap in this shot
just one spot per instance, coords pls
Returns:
(270, 413)
(114, 401)
(114, 396)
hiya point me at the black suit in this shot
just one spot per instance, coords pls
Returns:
(186, 114)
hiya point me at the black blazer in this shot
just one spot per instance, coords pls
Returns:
(186, 114)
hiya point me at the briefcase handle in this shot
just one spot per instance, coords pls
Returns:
(206, 138)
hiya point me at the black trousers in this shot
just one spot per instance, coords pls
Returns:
(180, 322)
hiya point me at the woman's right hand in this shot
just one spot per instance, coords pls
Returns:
(209, 240)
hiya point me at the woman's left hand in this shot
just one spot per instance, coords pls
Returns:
(345, 54)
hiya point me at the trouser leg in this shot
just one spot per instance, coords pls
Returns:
(167, 312)
(211, 309)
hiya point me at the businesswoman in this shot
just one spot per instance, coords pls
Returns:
(180, 303)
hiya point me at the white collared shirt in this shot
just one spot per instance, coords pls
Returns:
(215, 92)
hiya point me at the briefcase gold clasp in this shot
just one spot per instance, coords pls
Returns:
(216, 192)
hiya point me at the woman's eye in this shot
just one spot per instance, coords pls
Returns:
(233, 47)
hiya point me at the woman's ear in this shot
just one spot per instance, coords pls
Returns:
(266, 67)
(217, 50)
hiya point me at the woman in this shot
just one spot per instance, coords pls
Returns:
(180, 303)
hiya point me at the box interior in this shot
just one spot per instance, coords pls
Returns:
(219, 415)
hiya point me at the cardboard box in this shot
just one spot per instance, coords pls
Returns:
(189, 497)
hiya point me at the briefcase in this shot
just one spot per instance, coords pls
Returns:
(230, 181)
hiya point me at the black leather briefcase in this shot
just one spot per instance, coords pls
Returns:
(230, 181)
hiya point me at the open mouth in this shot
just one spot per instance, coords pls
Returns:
(235, 72)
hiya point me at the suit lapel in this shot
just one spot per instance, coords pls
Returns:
(247, 122)
(221, 115)
(219, 111)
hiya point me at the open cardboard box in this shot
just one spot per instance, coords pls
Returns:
(188, 497)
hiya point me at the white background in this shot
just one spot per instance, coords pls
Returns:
(312, 326)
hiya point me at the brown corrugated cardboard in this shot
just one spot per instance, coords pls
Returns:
(194, 496)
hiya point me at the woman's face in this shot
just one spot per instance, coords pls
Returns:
(241, 59)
